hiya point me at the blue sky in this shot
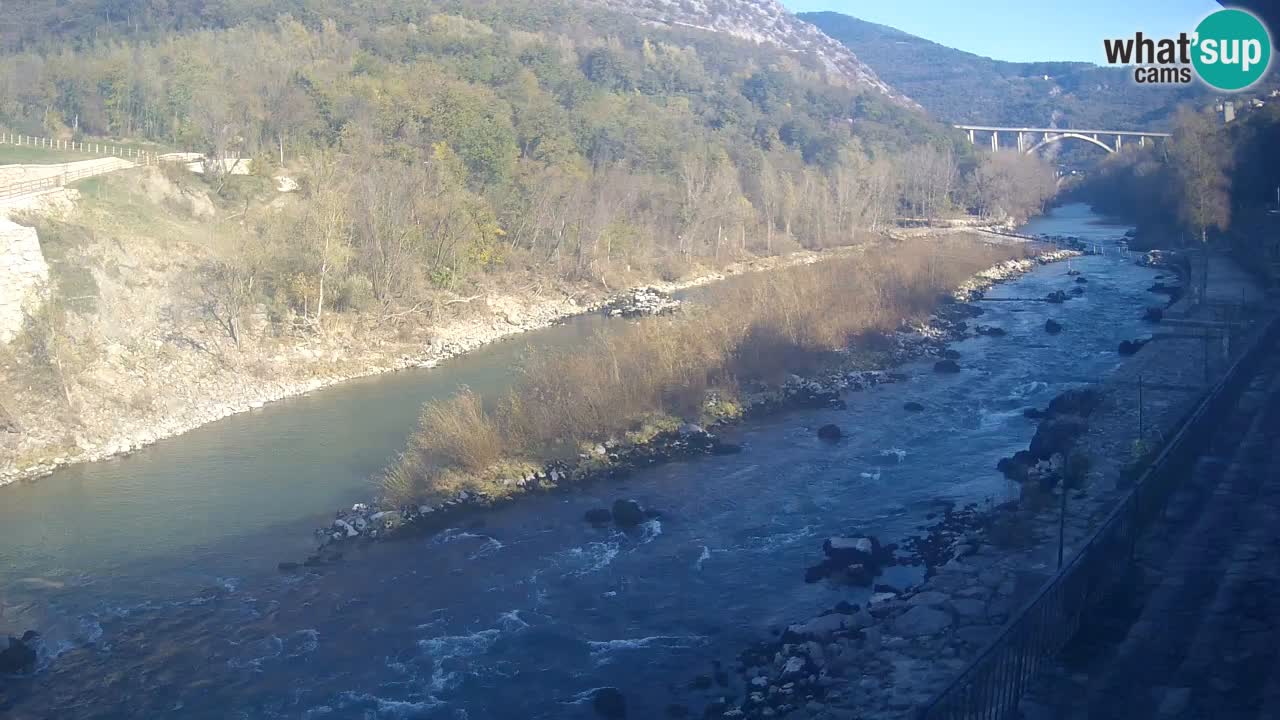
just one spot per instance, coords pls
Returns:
(1020, 30)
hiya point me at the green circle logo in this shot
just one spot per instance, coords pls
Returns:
(1232, 49)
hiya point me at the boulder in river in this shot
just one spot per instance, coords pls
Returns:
(19, 656)
(1056, 435)
(1131, 347)
(1077, 291)
(1053, 327)
(1082, 280)
(857, 560)
(946, 366)
(1057, 297)
(628, 513)
(991, 331)
(1018, 467)
(830, 433)
(1080, 402)
(914, 407)
(824, 626)
(951, 354)
(598, 516)
(608, 702)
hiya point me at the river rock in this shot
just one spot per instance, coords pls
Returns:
(1056, 435)
(855, 560)
(950, 354)
(929, 598)
(921, 620)
(1018, 467)
(1131, 347)
(830, 433)
(914, 407)
(608, 702)
(1056, 297)
(1053, 327)
(598, 516)
(19, 656)
(854, 549)
(859, 575)
(946, 366)
(641, 301)
(1082, 280)
(1153, 314)
(1077, 291)
(991, 331)
(1079, 402)
(628, 513)
(822, 627)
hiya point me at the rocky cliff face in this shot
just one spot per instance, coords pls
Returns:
(23, 275)
(759, 21)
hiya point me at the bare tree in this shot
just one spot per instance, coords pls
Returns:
(326, 227)
(213, 113)
(1201, 158)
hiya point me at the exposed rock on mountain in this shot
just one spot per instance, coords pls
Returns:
(760, 21)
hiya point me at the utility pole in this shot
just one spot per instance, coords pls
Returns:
(1141, 420)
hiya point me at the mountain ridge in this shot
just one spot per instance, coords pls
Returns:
(761, 21)
(963, 87)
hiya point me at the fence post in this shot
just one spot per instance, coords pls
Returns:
(1062, 518)
(1206, 355)
(1141, 420)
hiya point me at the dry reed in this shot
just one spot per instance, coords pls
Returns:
(755, 328)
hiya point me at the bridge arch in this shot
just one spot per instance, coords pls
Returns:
(1075, 136)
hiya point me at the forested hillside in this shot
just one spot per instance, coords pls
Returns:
(426, 175)
(532, 132)
(960, 87)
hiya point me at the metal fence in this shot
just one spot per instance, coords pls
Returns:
(31, 187)
(991, 686)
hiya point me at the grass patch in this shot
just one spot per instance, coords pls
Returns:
(63, 244)
(31, 155)
(636, 379)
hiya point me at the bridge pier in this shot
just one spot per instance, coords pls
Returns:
(971, 137)
(995, 141)
(1119, 143)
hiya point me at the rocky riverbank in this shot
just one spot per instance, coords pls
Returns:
(187, 374)
(618, 457)
(888, 657)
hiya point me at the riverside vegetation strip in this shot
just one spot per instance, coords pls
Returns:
(643, 392)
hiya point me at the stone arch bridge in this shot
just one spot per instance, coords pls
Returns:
(1029, 140)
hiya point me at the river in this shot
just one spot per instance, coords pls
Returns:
(153, 576)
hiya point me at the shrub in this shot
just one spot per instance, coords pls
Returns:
(460, 433)
(757, 327)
